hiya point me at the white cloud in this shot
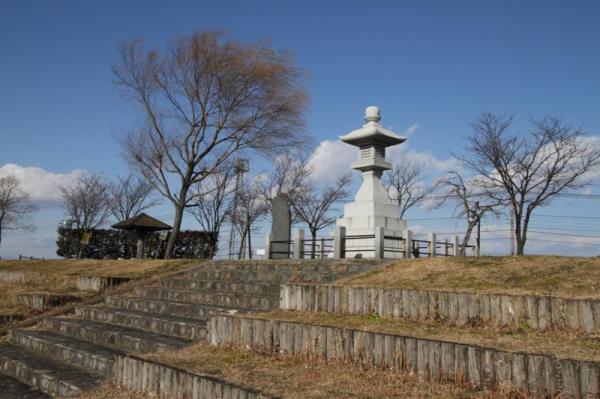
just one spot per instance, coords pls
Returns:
(42, 186)
(411, 130)
(332, 159)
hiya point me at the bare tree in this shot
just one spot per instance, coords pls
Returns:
(203, 101)
(86, 203)
(405, 184)
(212, 203)
(129, 196)
(313, 206)
(469, 202)
(15, 208)
(251, 208)
(289, 176)
(526, 171)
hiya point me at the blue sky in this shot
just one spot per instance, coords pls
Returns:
(435, 65)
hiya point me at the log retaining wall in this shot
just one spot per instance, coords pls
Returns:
(20, 277)
(170, 382)
(540, 374)
(41, 301)
(538, 312)
(97, 284)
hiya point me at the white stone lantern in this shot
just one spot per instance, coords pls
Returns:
(372, 207)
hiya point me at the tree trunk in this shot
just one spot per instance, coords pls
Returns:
(466, 238)
(176, 228)
(519, 234)
(242, 244)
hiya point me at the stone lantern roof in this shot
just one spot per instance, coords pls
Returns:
(372, 139)
(372, 133)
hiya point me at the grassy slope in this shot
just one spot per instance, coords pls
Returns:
(295, 377)
(543, 275)
(59, 276)
(92, 267)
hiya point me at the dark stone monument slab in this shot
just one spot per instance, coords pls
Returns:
(281, 227)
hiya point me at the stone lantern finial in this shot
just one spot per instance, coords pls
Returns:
(372, 114)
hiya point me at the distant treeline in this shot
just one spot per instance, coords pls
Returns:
(113, 244)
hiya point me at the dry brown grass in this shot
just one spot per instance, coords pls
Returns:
(562, 344)
(109, 390)
(59, 276)
(92, 267)
(542, 275)
(296, 377)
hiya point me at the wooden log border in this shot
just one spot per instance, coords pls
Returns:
(462, 308)
(481, 367)
(97, 284)
(163, 381)
(20, 277)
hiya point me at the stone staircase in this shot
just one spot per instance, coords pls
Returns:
(64, 356)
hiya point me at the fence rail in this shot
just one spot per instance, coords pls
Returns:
(366, 245)
(319, 248)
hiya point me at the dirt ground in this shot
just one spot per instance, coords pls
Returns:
(543, 275)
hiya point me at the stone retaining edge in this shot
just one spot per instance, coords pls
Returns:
(481, 367)
(538, 312)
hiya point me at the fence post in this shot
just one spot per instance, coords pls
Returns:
(299, 244)
(407, 235)
(322, 248)
(268, 246)
(379, 242)
(455, 248)
(476, 249)
(446, 252)
(339, 242)
(432, 247)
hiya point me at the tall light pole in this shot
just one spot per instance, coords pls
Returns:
(477, 210)
(241, 167)
(512, 233)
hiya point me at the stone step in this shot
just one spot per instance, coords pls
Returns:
(179, 327)
(273, 266)
(52, 377)
(161, 306)
(247, 288)
(14, 389)
(261, 275)
(122, 338)
(78, 353)
(249, 302)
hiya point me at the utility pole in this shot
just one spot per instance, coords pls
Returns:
(478, 227)
(512, 233)
(241, 167)
(249, 243)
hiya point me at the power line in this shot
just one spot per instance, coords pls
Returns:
(563, 234)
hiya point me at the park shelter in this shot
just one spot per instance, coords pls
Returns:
(142, 225)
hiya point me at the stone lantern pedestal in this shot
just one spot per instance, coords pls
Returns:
(372, 208)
